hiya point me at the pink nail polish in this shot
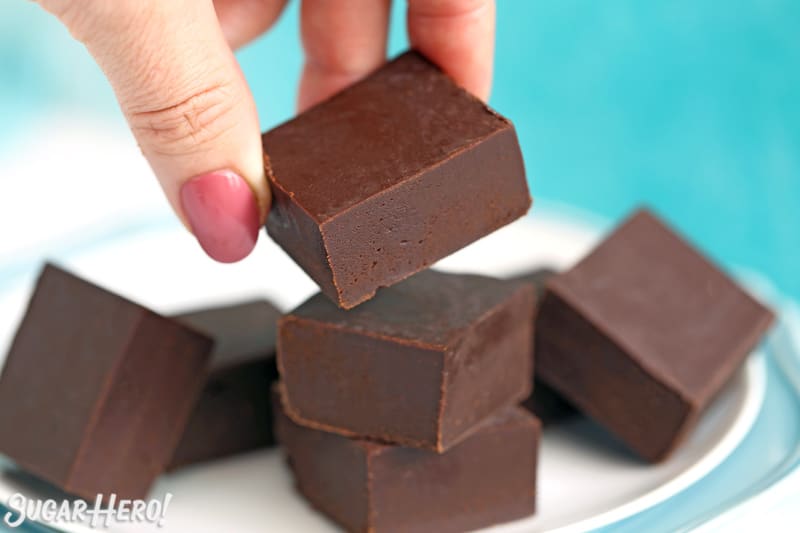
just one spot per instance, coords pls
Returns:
(222, 211)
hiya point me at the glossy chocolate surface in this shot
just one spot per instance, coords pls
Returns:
(420, 364)
(388, 176)
(643, 333)
(96, 390)
(487, 479)
(234, 413)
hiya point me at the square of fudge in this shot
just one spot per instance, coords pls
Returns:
(96, 390)
(233, 413)
(421, 364)
(548, 406)
(389, 176)
(643, 333)
(487, 479)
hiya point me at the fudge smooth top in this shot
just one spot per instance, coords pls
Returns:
(430, 308)
(659, 298)
(241, 332)
(403, 119)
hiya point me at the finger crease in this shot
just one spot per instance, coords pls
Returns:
(185, 126)
(338, 70)
(448, 13)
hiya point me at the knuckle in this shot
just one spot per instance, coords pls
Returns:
(188, 126)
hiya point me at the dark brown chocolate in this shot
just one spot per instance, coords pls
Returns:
(420, 364)
(234, 413)
(548, 405)
(643, 333)
(96, 390)
(537, 277)
(389, 176)
(544, 402)
(488, 478)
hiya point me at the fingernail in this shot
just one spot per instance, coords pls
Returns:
(223, 214)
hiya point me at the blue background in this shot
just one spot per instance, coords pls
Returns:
(690, 106)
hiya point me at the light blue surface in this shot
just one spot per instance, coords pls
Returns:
(690, 106)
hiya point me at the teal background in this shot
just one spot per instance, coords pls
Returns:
(692, 107)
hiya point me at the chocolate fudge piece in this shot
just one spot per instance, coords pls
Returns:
(389, 176)
(643, 333)
(233, 414)
(544, 402)
(488, 478)
(96, 390)
(420, 364)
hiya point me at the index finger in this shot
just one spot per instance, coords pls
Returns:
(344, 41)
(458, 35)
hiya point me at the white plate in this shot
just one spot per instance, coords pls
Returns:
(585, 481)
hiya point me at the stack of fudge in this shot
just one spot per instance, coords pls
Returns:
(395, 391)
(401, 414)
(397, 411)
(398, 399)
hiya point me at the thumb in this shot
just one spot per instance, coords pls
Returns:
(189, 108)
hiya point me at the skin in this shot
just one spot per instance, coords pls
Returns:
(172, 67)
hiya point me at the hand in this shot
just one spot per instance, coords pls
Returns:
(172, 68)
